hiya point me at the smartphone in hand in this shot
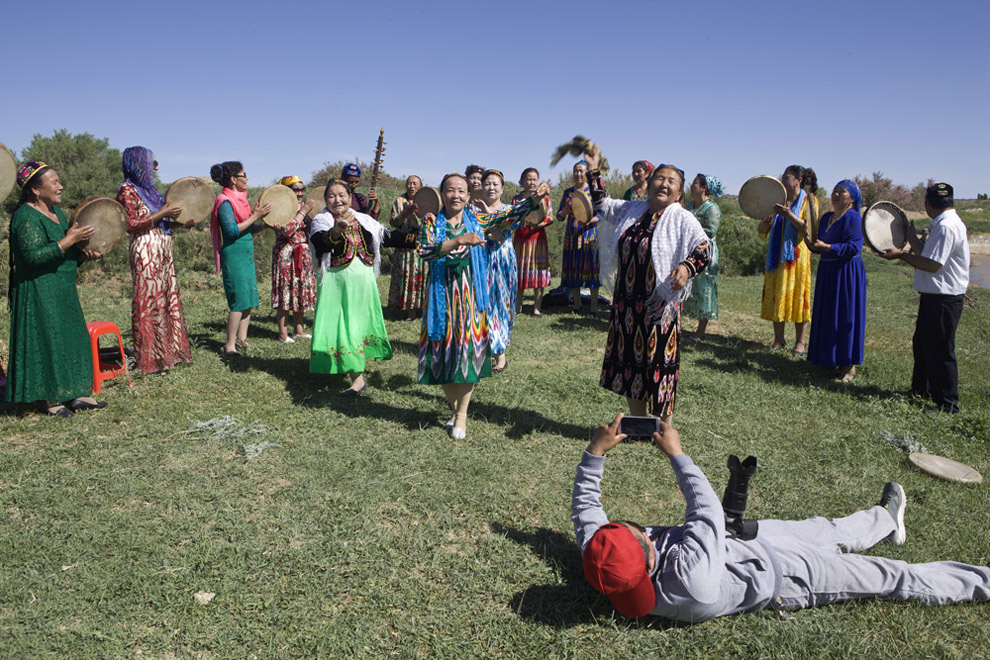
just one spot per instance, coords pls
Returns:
(639, 427)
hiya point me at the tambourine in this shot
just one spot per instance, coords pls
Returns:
(284, 205)
(194, 194)
(107, 217)
(758, 196)
(885, 226)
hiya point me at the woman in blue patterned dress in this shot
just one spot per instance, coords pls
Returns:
(580, 262)
(503, 271)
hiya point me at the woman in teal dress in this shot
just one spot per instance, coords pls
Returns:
(233, 248)
(50, 357)
(454, 347)
(703, 303)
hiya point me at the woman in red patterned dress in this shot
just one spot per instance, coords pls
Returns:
(158, 326)
(530, 242)
(293, 280)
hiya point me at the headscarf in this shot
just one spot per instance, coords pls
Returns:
(27, 171)
(580, 162)
(853, 190)
(289, 181)
(647, 165)
(138, 165)
(350, 170)
(436, 313)
(713, 184)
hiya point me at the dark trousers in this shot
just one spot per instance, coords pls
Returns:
(935, 373)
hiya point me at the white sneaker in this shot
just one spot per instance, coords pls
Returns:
(895, 501)
(450, 424)
(457, 433)
(304, 335)
(287, 340)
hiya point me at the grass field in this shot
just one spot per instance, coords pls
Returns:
(329, 527)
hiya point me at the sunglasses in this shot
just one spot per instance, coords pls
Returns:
(303, 189)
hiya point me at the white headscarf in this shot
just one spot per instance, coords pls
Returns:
(324, 222)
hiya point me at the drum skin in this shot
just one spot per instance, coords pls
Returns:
(759, 194)
(107, 217)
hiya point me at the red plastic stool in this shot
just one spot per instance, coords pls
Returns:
(102, 368)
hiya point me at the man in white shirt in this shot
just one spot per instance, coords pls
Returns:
(941, 276)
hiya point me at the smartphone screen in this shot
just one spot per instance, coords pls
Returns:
(639, 427)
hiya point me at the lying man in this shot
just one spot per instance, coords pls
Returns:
(696, 571)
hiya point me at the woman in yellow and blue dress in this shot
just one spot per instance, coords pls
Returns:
(787, 279)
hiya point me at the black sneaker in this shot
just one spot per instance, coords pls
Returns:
(895, 501)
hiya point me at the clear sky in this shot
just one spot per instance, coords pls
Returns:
(729, 88)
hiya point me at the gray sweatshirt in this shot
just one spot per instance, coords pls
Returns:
(699, 573)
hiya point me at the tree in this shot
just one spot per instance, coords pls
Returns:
(87, 165)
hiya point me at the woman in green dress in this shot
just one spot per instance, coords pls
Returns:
(348, 326)
(233, 247)
(703, 303)
(50, 358)
(454, 346)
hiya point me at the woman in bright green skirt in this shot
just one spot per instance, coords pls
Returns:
(348, 328)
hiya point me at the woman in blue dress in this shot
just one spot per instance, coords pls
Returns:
(503, 272)
(838, 318)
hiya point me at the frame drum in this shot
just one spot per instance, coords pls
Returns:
(885, 226)
(427, 200)
(109, 219)
(758, 195)
(316, 195)
(8, 171)
(284, 205)
(581, 207)
(194, 194)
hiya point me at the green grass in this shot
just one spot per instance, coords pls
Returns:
(367, 532)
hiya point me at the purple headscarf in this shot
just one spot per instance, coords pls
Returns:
(139, 171)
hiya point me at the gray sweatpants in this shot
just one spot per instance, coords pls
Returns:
(819, 567)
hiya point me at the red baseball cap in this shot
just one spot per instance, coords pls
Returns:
(614, 565)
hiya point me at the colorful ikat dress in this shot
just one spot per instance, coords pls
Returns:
(580, 261)
(532, 255)
(463, 355)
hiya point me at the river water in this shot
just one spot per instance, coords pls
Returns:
(979, 271)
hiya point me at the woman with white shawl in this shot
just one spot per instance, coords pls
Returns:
(649, 250)
(348, 327)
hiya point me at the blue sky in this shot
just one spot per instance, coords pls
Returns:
(729, 88)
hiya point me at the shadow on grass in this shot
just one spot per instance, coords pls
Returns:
(584, 321)
(728, 354)
(572, 603)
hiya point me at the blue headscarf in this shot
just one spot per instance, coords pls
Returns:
(783, 237)
(581, 162)
(853, 190)
(713, 184)
(138, 164)
(436, 314)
